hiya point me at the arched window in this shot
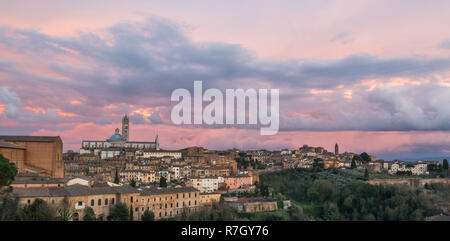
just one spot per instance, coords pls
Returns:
(92, 202)
(100, 202)
(112, 201)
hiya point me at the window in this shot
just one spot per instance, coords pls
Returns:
(29, 201)
(165, 206)
(189, 203)
(131, 199)
(177, 204)
(92, 202)
(99, 202)
(80, 203)
(106, 201)
(112, 201)
(136, 209)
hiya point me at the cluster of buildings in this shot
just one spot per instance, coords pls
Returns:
(304, 158)
(101, 196)
(105, 172)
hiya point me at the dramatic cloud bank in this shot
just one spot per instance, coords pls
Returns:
(52, 84)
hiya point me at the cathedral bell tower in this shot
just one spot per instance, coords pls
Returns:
(125, 128)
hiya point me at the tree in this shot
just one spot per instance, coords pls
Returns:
(445, 164)
(37, 211)
(116, 177)
(280, 204)
(162, 182)
(133, 183)
(148, 216)
(353, 165)
(9, 210)
(357, 158)
(366, 174)
(265, 190)
(89, 214)
(318, 163)
(64, 212)
(7, 173)
(131, 213)
(365, 157)
(119, 212)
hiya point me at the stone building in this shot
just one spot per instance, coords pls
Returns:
(100, 199)
(238, 181)
(167, 202)
(34, 154)
(163, 202)
(251, 205)
(117, 144)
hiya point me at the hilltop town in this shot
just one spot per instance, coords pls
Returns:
(169, 183)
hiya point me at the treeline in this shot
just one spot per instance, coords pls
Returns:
(352, 201)
(222, 212)
(39, 210)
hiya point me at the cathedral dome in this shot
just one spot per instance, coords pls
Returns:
(116, 136)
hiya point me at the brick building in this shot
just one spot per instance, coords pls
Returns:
(34, 154)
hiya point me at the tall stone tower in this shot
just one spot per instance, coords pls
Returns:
(336, 149)
(125, 128)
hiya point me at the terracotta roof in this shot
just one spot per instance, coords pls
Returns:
(73, 190)
(153, 191)
(39, 180)
(30, 138)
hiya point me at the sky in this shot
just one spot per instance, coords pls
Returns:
(371, 76)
